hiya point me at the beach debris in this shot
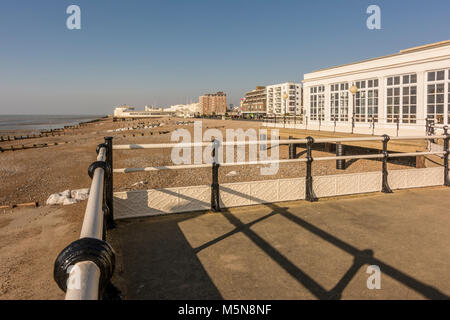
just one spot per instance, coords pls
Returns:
(21, 205)
(69, 201)
(68, 197)
(26, 204)
(138, 183)
(231, 174)
(80, 194)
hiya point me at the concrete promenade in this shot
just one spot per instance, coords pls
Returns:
(393, 145)
(295, 250)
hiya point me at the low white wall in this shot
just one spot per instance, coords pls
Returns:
(197, 198)
(380, 129)
(416, 178)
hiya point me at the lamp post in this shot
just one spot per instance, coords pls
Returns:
(353, 90)
(285, 97)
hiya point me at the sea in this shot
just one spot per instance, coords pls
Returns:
(41, 122)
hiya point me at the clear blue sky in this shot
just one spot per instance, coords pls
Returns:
(167, 52)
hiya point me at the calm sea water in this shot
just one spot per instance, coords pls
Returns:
(38, 122)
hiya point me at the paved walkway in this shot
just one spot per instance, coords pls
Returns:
(292, 250)
(393, 145)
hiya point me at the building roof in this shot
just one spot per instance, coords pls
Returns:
(401, 52)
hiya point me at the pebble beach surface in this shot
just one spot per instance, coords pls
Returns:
(34, 174)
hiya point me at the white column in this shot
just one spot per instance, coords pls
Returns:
(327, 104)
(382, 108)
(306, 99)
(421, 98)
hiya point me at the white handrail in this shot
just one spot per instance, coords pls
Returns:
(264, 142)
(86, 274)
(412, 154)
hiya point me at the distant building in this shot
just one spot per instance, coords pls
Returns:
(125, 111)
(153, 109)
(255, 101)
(276, 105)
(186, 110)
(213, 103)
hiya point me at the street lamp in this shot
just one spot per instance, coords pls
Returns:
(353, 90)
(285, 97)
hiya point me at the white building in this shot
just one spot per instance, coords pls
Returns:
(407, 87)
(186, 110)
(125, 111)
(276, 105)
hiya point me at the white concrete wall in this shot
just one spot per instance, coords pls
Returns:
(134, 204)
(360, 128)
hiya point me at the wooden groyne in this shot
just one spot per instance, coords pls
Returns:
(34, 146)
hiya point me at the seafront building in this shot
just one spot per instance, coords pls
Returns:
(255, 102)
(213, 103)
(186, 110)
(128, 112)
(398, 92)
(276, 105)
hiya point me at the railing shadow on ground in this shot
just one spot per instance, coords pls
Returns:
(159, 263)
(361, 257)
(168, 267)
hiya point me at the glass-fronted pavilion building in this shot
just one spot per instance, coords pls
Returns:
(401, 90)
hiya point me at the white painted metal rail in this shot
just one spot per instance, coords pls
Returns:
(276, 143)
(264, 142)
(86, 275)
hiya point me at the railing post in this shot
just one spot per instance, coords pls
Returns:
(385, 186)
(215, 200)
(340, 163)
(109, 185)
(398, 124)
(309, 180)
(446, 139)
(373, 125)
(292, 148)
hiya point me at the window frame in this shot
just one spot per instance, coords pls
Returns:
(437, 117)
(398, 90)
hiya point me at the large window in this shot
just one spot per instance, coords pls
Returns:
(401, 95)
(339, 102)
(366, 101)
(437, 83)
(317, 103)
